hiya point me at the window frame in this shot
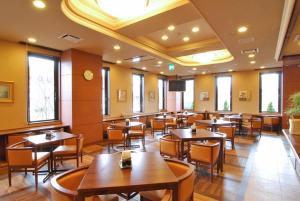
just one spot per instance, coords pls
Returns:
(56, 86)
(216, 93)
(142, 88)
(182, 97)
(107, 88)
(164, 89)
(279, 90)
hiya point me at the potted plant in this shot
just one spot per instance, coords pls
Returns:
(294, 112)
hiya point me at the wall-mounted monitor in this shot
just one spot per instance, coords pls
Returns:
(176, 85)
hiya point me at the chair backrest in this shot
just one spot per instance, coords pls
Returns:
(169, 146)
(271, 120)
(186, 177)
(202, 126)
(115, 134)
(19, 155)
(157, 124)
(64, 186)
(228, 130)
(207, 153)
(137, 128)
(171, 120)
(198, 116)
(256, 123)
(190, 119)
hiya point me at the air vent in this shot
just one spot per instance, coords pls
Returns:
(250, 51)
(70, 38)
(246, 40)
(297, 38)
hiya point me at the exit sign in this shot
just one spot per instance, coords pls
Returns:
(171, 67)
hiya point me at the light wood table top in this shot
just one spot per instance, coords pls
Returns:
(163, 117)
(57, 136)
(201, 134)
(212, 122)
(149, 172)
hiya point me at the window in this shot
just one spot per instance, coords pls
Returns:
(188, 95)
(162, 94)
(42, 88)
(105, 90)
(270, 90)
(138, 92)
(223, 93)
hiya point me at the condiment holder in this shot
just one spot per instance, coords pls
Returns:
(125, 161)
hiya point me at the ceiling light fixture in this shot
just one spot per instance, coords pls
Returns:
(144, 68)
(195, 29)
(251, 55)
(31, 40)
(117, 47)
(230, 70)
(164, 37)
(161, 72)
(203, 73)
(242, 29)
(194, 68)
(123, 8)
(252, 62)
(186, 38)
(171, 28)
(159, 62)
(136, 59)
(119, 61)
(39, 4)
(262, 67)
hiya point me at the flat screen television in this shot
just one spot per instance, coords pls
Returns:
(176, 85)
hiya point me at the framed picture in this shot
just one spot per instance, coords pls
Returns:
(6, 92)
(151, 96)
(204, 96)
(244, 95)
(122, 95)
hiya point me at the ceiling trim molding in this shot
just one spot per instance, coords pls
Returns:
(288, 21)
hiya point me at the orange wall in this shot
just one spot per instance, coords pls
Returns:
(13, 67)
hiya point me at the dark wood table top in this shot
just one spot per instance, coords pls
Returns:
(124, 125)
(212, 122)
(149, 171)
(57, 136)
(186, 134)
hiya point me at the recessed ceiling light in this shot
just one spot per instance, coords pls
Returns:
(39, 4)
(251, 55)
(171, 27)
(117, 47)
(164, 37)
(185, 39)
(144, 68)
(242, 29)
(194, 68)
(195, 29)
(136, 59)
(262, 67)
(252, 62)
(119, 61)
(31, 40)
(230, 70)
(159, 62)
(203, 73)
(161, 72)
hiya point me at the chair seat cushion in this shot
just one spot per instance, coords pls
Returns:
(65, 149)
(154, 195)
(41, 157)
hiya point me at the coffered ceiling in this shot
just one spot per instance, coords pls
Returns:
(141, 35)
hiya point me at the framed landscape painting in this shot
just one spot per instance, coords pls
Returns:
(122, 95)
(6, 92)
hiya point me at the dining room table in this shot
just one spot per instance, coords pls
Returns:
(148, 172)
(236, 118)
(215, 123)
(54, 138)
(186, 135)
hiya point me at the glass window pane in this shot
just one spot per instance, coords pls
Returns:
(269, 92)
(160, 95)
(41, 89)
(103, 92)
(224, 93)
(188, 95)
(137, 91)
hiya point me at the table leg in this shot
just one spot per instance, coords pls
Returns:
(175, 193)
(221, 154)
(51, 165)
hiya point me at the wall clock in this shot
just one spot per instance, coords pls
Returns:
(88, 75)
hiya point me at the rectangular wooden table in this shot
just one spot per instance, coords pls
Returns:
(186, 135)
(39, 140)
(149, 172)
(214, 124)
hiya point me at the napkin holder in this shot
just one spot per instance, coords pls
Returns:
(193, 127)
(127, 122)
(49, 135)
(125, 161)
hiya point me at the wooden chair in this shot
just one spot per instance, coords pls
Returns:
(186, 176)
(230, 133)
(171, 123)
(116, 136)
(72, 149)
(157, 125)
(21, 157)
(205, 154)
(252, 125)
(137, 132)
(190, 120)
(198, 116)
(15, 138)
(271, 122)
(169, 146)
(64, 187)
(202, 126)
